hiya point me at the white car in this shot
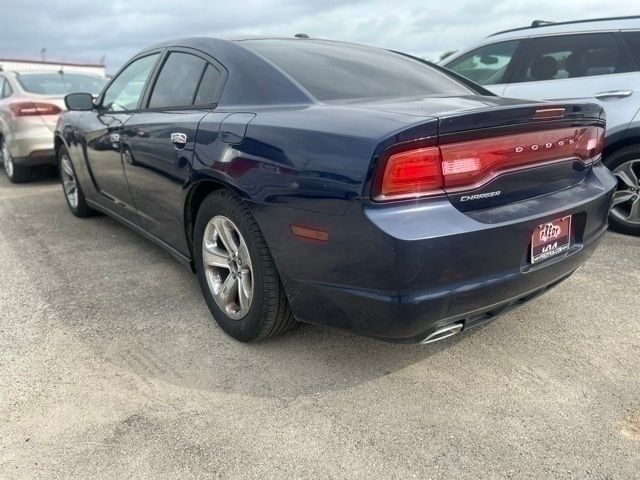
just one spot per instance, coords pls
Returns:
(30, 104)
(589, 60)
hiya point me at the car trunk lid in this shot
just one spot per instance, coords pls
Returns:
(492, 151)
(51, 120)
(536, 149)
(47, 108)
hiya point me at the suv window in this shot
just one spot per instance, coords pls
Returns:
(177, 82)
(125, 91)
(486, 65)
(573, 56)
(632, 40)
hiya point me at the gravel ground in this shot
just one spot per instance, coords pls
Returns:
(111, 367)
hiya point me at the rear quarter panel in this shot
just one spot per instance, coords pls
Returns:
(313, 158)
(4, 118)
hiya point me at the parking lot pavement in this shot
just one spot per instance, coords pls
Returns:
(111, 367)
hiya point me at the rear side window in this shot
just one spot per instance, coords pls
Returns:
(7, 91)
(573, 56)
(486, 65)
(178, 80)
(632, 40)
(208, 86)
(337, 71)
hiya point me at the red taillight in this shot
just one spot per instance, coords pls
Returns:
(463, 164)
(27, 109)
(412, 171)
(468, 163)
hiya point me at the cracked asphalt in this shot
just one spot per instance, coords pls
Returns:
(111, 367)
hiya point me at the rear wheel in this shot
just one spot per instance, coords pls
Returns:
(15, 173)
(625, 212)
(237, 275)
(71, 187)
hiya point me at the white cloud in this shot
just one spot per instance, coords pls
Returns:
(84, 30)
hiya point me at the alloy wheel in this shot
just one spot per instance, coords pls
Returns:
(7, 159)
(69, 182)
(626, 200)
(228, 267)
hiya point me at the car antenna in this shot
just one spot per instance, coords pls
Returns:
(301, 35)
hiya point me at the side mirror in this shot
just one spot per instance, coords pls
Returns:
(79, 101)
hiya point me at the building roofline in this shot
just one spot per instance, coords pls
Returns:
(50, 62)
(541, 23)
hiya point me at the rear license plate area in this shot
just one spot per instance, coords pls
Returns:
(551, 239)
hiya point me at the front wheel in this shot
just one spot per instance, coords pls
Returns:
(71, 187)
(237, 274)
(625, 212)
(15, 173)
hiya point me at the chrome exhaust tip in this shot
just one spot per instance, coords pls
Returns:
(442, 333)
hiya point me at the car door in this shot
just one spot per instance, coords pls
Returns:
(103, 129)
(158, 142)
(632, 42)
(490, 65)
(594, 67)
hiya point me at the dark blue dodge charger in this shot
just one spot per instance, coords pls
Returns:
(338, 184)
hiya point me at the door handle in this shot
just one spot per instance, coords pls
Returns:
(614, 94)
(179, 138)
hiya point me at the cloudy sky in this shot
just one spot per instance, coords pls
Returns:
(85, 30)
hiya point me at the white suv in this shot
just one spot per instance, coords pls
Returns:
(589, 60)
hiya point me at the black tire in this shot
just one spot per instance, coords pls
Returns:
(269, 313)
(616, 218)
(15, 173)
(80, 209)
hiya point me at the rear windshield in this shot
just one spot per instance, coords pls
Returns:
(336, 71)
(60, 83)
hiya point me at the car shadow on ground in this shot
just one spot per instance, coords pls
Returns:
(308, 360)
(136, 308)
(172, 337)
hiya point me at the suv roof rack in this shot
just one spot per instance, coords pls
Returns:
(540, 23)
(544, 23)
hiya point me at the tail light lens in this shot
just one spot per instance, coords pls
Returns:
(458, 165)
(28, 109)
(412, 171)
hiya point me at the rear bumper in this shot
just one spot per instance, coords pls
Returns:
(401, 272)
(37, 157)
(32, 143)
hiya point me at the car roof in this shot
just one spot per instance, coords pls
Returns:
(213, 44)
(248, 70)
(540, 27)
